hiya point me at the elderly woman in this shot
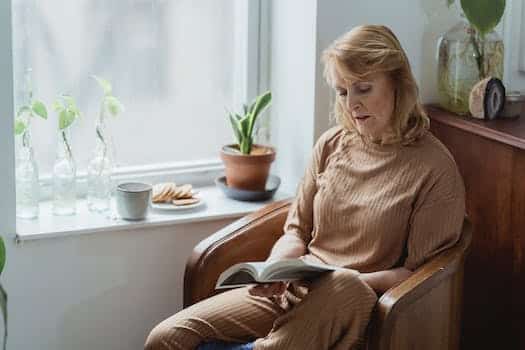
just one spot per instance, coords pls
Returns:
(380, 196)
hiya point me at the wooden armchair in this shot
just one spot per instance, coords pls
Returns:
(423, 312)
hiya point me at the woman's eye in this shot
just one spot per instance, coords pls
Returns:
(363, 89)
(341, 93)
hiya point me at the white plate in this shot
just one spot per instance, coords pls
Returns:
(170, 206)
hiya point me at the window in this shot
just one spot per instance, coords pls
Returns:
(175, 65)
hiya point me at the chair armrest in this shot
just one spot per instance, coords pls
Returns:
(252, 236)
(394, 302)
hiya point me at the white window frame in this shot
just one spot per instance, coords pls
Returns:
(7, 148)
(251, 38)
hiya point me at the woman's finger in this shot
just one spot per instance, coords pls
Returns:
(267, 289)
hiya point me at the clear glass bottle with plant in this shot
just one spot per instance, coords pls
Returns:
(101, 164)
(27, 185)
(469, 52)
(64, 169)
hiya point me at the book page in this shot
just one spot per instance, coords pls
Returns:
(293, 269)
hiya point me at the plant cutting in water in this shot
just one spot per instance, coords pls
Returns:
(68, 112)
(110, 104)
(243, 125)
(483, 16)
(27, 111)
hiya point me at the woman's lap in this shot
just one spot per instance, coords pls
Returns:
(236, 316)
(232, 316)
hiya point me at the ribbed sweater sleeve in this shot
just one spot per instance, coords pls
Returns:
(300, 216)
(436, 222)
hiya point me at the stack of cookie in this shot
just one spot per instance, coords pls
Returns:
(169, 192)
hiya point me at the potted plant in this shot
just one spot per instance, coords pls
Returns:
(247, 165)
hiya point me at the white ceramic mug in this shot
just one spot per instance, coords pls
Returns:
(133, 200)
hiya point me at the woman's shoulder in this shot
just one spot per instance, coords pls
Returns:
(330, 137)
(429, 150)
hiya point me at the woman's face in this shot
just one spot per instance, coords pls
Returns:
(369, 102)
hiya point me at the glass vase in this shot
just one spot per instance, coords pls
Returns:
(464, 59)
(64, 177)
(100, 169)
(27, 185)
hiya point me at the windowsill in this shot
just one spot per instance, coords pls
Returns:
(217, 206)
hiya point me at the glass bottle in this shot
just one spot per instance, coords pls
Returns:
(463, 60)
(100, 168)
(64, 177)
(27, 185)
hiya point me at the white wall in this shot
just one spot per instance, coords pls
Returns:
(292, 81)
(99, 291)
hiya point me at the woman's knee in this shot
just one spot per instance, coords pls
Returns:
(171, 338)
(345, 283)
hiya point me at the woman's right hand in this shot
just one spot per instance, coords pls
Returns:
(267, 289)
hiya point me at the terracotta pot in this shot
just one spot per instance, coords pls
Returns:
(247, 171)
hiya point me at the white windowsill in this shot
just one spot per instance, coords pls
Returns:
(217, 206)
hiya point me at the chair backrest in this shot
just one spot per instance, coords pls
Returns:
(424, 312)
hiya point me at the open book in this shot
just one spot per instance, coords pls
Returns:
(262, 272)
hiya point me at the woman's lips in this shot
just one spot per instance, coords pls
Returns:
(360, 117)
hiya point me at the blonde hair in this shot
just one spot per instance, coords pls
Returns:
(372, 49)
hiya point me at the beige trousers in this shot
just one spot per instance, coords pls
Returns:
(331, 312)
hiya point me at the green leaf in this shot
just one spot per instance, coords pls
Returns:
(484, 15)
(260, 104)
(2, 254)
(113, 105)
(245, 124)
(40, 109)
(65, 119)
(70, 101)
(104, 84)
(23, 110)
(58, 106)
(252, 105)
(235, 127)
(20, 126)
(450, 2)
(245, 146)
(3, 305)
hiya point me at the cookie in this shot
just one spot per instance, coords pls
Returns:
(182, 202)
(185, 192)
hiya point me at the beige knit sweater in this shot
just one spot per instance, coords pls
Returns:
(371, 207)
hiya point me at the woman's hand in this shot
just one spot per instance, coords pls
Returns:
(381, 281)
(268, 289)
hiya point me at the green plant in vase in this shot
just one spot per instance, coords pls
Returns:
(469, 52)
(100, 166)
(64, 169)
(27, 185)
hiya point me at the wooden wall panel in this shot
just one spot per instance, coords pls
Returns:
(493, 169)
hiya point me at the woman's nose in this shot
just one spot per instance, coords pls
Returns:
(353, 104)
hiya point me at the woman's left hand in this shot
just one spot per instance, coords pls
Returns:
(381, 281)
